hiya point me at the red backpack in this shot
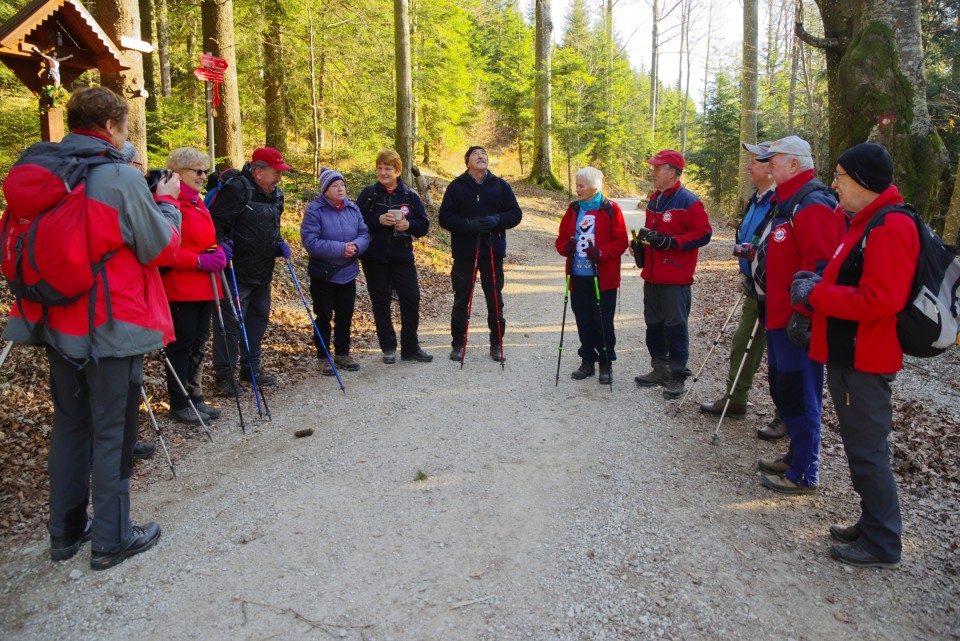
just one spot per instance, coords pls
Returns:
(44, 254)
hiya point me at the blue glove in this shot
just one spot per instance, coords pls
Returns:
(803, 284)
(662, 242)
(227, 246)
(283, 250)
(798, 329)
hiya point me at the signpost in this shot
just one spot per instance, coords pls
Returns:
(211, 71)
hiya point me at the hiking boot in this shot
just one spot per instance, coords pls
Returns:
(325, 367)
(586, 369)
(456, 354)
(346, 362)
(780, 483)
(224, 387)
(772, 465)
(209, 410)
(496, 354)
(659, 375)
(143, 538)
(418, 356)
(606, 374)
(853, 554)
(263, 379)
(143, 451)
(674, 387)
(734, 410)
(390, 356)
(188, 416)
(845, 534)
(772, 431)
(64, 547)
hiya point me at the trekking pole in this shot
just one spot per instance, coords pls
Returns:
(473, 285)
(156, 428)
(716, 341)
(226, 347)
(563, 323)
(746, 352)
(6, 352)
(316, 329)
(238, 315)
(603, 332)
(496, 301)
(185, 393)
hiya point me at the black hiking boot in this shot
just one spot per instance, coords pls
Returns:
(585, 370)
(606, 374)
(143, 538)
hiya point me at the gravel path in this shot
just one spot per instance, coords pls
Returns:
(547, 512)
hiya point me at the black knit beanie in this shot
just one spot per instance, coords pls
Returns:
(466, 156)
(869, 165)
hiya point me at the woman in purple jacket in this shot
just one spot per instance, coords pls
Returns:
(334, 235)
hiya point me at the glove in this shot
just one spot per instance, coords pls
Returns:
(486, 224)
(473, 225)
(212, 262)
(592, 252)
(662, 242)
(803, 284)
(798, 329)
(745, 285)
(283, 250)
(494, 221)
(227, 246)
(570, 248)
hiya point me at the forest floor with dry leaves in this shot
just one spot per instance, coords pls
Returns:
(925, 446)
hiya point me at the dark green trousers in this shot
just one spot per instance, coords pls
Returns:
(738, 348)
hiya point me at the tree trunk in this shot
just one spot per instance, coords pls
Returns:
(792, 96)
(951, 225)
(150, 72)
(876, 79)
(541, 172)
(403, 135)
(749, 100)
(654, 62)
(119, 18)
(218, 38)
(163, 48)
(276, 121)
(314, 107)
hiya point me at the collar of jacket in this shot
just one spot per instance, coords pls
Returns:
(792, 186)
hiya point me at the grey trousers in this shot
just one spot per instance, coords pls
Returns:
(865, 411)
(95, 419)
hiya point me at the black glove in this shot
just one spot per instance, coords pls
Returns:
(571, 247)
(473, 225)
(592, 252)
(662, 242)
(494, 221)
(485, 224)
(803, 284)
(798, 329)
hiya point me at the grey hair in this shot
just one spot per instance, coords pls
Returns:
(805, 162)
(593, 177)
(186, 158)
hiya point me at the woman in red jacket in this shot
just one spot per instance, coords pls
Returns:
(189, 289)
(593, 236)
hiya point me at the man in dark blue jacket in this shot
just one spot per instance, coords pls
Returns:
(477, 209)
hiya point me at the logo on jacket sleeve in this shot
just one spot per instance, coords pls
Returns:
(667, 217)
(405, 210)
(780, 235)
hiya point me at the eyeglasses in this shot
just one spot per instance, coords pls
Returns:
(200, 172)
(837, 174)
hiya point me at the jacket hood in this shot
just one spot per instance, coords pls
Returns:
(82, 145)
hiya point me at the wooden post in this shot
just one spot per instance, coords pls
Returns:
(51, 125)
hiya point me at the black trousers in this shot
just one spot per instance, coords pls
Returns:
(401, 277)
(461, 276)
(583, 302)
(191, 324)
(333, 301)
(255, 305)
(865, 411)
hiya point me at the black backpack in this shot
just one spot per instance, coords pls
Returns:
(930, 323)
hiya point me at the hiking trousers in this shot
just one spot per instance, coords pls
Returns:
(739, 395)
(96, 412)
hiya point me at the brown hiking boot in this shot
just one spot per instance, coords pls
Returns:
(674, 387)
(659, 375)
(772, 431)
(346, 362)
(734, 410)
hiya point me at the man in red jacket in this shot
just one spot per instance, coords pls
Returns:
(802, 232)
(855, 310)
(677, 227)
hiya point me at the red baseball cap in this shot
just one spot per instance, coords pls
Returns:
(270, 156)
(668, 157)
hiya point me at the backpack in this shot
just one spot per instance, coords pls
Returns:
(43, 233)
(930, 323)
(221, 178)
